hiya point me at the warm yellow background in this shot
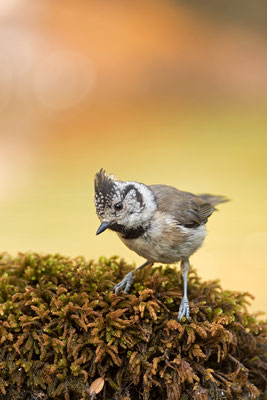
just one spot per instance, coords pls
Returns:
(151, 91)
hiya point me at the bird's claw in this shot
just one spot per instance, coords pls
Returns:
(184, 309)
(125, 284)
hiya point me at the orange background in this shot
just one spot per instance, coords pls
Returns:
(153, 91)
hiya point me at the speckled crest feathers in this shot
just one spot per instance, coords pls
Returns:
(104, 182)
(104, 189)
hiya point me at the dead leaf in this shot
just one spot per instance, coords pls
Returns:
(96, 386)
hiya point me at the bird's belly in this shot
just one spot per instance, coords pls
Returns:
(165, 248)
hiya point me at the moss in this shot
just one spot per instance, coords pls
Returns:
(62, 328)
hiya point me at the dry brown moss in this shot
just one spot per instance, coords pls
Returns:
(61, 328)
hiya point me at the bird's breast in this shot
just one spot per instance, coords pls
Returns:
(165, 241)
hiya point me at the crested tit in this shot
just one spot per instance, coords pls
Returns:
(158, 222)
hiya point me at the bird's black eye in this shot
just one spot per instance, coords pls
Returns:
(118, 206)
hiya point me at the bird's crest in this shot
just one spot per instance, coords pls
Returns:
(104, 183)
(105, 189)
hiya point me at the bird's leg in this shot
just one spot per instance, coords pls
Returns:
(184, 306)
(127, 281)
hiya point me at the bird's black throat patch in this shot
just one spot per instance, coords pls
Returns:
(132, 233)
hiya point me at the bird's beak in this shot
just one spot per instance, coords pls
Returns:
(103, 227)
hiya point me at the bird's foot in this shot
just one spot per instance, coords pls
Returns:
(125, 284)
(184, 309)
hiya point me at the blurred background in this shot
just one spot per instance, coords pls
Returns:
(170, 92)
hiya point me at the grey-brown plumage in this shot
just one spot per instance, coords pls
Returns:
(158, 222)
(188, 209)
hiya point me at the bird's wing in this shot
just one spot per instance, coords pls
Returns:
(188, 209)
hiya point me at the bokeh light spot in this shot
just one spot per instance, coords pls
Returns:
(7, 6)
(63, 80)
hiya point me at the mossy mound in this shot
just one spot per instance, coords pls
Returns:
(62, 328)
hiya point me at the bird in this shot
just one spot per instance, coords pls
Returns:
(159, 222)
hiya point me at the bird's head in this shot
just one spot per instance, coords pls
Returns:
(122, 206)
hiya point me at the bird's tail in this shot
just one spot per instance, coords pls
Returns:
(213, 200)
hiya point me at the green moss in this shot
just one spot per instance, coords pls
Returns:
(62, 327)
